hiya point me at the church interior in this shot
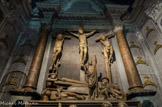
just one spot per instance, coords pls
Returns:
(80, 53)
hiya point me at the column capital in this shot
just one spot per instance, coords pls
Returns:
(118, 27)
(46, 26)
(154, 10)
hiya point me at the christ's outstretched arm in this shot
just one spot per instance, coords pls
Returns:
(73, 33)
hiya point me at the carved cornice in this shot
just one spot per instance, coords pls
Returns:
(115, 12)
(154, 11)
(116, 9)
(87, 24)
(81, 18)
(47, 5)
(135, 13)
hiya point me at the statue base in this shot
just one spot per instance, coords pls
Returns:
(140, 92)
(26, 92)
(82, 103)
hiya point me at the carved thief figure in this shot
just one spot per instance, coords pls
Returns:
(57, 51)
(107, 51)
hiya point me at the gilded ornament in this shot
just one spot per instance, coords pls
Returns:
(157, 47)
(148, 31)
(140, 61)
(148, 82)
(132, 45)
(12, 81)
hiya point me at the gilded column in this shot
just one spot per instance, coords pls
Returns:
(35, 67)
(131, 71)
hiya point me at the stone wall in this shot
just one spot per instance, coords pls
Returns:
(144, 36)
(18, 38)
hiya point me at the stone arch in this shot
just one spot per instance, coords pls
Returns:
(26, 48)
(7, 76)
(27, 43)
(20, 59)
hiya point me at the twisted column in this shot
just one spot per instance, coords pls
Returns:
(35, 67)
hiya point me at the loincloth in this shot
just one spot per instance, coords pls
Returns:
(82, 45)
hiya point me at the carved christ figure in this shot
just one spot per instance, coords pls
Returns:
(82, 43)
(107, 51)
(57, 51)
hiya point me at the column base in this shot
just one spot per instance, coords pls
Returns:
(26, 92)
(140, 92)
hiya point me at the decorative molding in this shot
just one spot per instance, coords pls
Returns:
(154, 11)
(70, 17)
(45, 5)
(116, 9)
(73, 24)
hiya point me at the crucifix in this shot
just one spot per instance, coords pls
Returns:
(107, 51)
(82, 43)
